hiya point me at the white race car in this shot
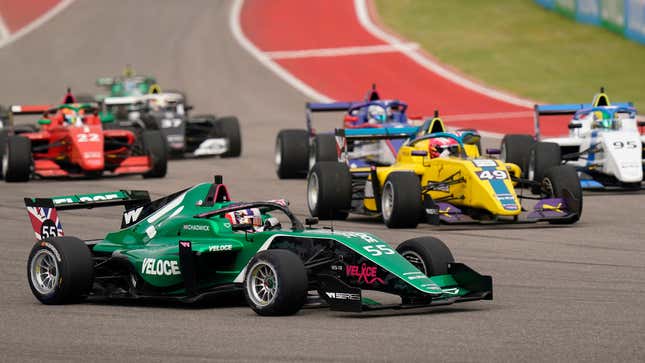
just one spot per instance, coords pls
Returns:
(604, 144)
(198, 135)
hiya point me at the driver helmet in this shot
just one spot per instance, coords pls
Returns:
(376, 114)
(251, 216)
(72, 117)
(157, 103)
(604, 120)
(443, 147)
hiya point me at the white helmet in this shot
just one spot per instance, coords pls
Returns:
(376, 114)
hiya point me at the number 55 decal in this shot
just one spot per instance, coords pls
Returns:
(377, 250)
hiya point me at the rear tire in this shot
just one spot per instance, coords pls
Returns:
(229, 128)
(558, 179)
(329, 190)
(157, 149)
(515, 149)
(542, 157)
(323, 148)
(60, 270)
(291, 154)
(401, 204)
(276, 283)
(16, 159)
(430, 255)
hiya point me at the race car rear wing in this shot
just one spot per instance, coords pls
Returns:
(386, 133)
(313, 107)
(26, 110)
(43, 212)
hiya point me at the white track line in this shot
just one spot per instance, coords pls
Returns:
(4, 41)
(337, 52)
(238, 34)
(4, 30)
(364, 19)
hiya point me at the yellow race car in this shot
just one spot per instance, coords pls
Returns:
(438, 177)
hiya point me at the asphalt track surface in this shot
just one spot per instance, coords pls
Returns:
(565, 294)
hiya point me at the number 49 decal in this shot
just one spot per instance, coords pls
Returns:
(492, 175)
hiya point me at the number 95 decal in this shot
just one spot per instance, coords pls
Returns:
(492, 174)
(625, 144)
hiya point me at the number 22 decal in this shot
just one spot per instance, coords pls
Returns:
(91, 137)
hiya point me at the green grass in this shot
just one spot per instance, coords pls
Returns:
(517, 46)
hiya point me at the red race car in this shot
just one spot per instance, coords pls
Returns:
(71, 141)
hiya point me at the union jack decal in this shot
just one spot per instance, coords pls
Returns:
(45, 222)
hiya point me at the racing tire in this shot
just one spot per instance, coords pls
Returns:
(401, 204)
(276, 283)
(329, 190)
(323, 148)
(515, 149)
(291, 154)
(542, 157)
(558, 179)
(156, 148)
(229, 128)
(60, 270)
(16, 159)
(430, 255)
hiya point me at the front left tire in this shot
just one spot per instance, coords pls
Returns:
(16, 159)
(276, 283)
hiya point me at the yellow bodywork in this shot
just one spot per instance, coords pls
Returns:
(496, 195)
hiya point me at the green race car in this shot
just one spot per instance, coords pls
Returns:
(198, 243)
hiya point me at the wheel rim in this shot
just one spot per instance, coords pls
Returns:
(312, 156)
(416, 260)
(44, 272)
(387, 201)
(5, 161)
(262, 284)
(547, 187)
(278, 154)
(313, 190)
(532, 167)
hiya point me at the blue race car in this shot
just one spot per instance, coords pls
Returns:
(297, 150)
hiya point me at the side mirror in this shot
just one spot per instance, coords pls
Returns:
(188, 107)
(350, 118)
(572, 126)
(493, 151)
(44, 121)
(419, 153)
(241, 227)
(311, 221)
(471, 139)
(106, 117)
